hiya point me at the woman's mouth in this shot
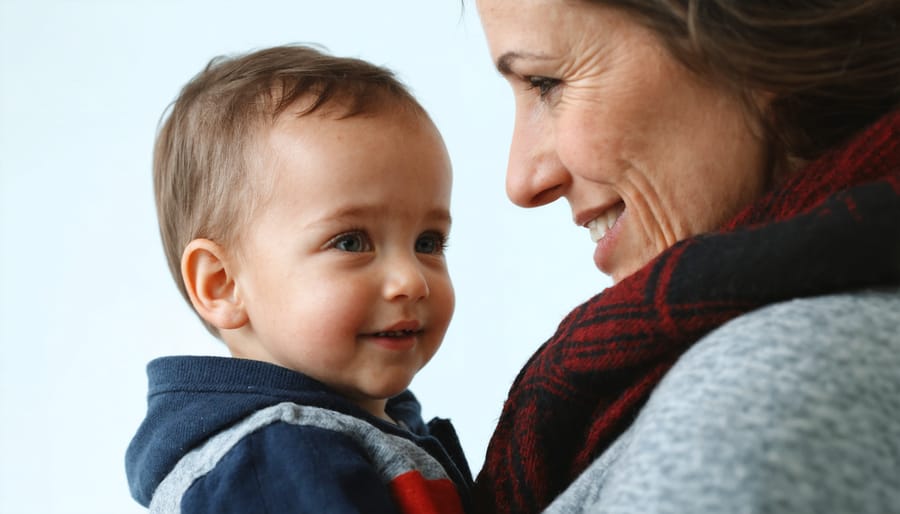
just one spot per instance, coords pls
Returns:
(600, 225)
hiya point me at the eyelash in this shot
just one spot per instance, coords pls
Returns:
(359, 234)
(544, 85)
(440, 240)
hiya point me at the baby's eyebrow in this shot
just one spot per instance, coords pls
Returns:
(441, 215)
(356, 212)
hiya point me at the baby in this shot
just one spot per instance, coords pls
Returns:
(303, 202)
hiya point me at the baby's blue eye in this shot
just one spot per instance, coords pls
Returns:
(432, 242)
(352, 242)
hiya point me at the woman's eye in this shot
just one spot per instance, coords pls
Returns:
(352, 242)
(544, 85)
(431, 243)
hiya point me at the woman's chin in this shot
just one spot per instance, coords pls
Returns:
(616, 270)
(615, 278)
(605, 251)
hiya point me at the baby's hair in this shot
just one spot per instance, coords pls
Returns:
(204, 147)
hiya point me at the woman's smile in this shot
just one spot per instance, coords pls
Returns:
(645, 152)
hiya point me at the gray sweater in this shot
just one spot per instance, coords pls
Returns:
(791, 408)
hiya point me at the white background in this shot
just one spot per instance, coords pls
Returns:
(85, 296)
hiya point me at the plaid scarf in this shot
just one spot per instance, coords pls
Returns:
(834, 226)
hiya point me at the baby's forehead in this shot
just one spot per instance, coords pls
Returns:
(379, 164)
(341, 101)
(334, 138)
(377, 107)
(340, 119)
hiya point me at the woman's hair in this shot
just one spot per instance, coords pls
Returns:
(208, 140)
(830, 67)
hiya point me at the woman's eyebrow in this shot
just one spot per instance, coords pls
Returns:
(504, 62)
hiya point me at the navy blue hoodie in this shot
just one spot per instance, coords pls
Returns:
(234, 435)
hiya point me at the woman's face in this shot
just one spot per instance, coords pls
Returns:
(645, 152)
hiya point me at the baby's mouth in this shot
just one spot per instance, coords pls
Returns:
(600, 225)
(396, 333)
(404, 328)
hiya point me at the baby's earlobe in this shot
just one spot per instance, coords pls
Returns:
(210, 285)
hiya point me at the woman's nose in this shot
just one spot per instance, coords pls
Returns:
(534, 175)
(405, 280)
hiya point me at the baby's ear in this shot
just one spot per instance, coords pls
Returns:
(210, 284)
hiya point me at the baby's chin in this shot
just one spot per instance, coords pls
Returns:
(379, 391)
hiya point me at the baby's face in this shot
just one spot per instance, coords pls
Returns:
(342, 272)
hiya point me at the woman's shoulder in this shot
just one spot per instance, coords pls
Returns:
(797, 340)
(863, 315)
(790, 408)
(822, 367)
(837, 353)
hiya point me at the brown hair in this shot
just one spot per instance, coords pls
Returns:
(202, 158)
(831, 66)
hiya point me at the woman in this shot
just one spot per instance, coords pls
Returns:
(738, 166)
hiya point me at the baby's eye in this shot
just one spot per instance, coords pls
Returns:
(544, 85)
(432, 243)
(352, 242)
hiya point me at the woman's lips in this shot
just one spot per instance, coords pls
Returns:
(605, 230)
(603, 223)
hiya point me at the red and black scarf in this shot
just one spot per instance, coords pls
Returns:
(834, 226)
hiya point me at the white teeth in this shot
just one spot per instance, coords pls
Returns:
(600, 225)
